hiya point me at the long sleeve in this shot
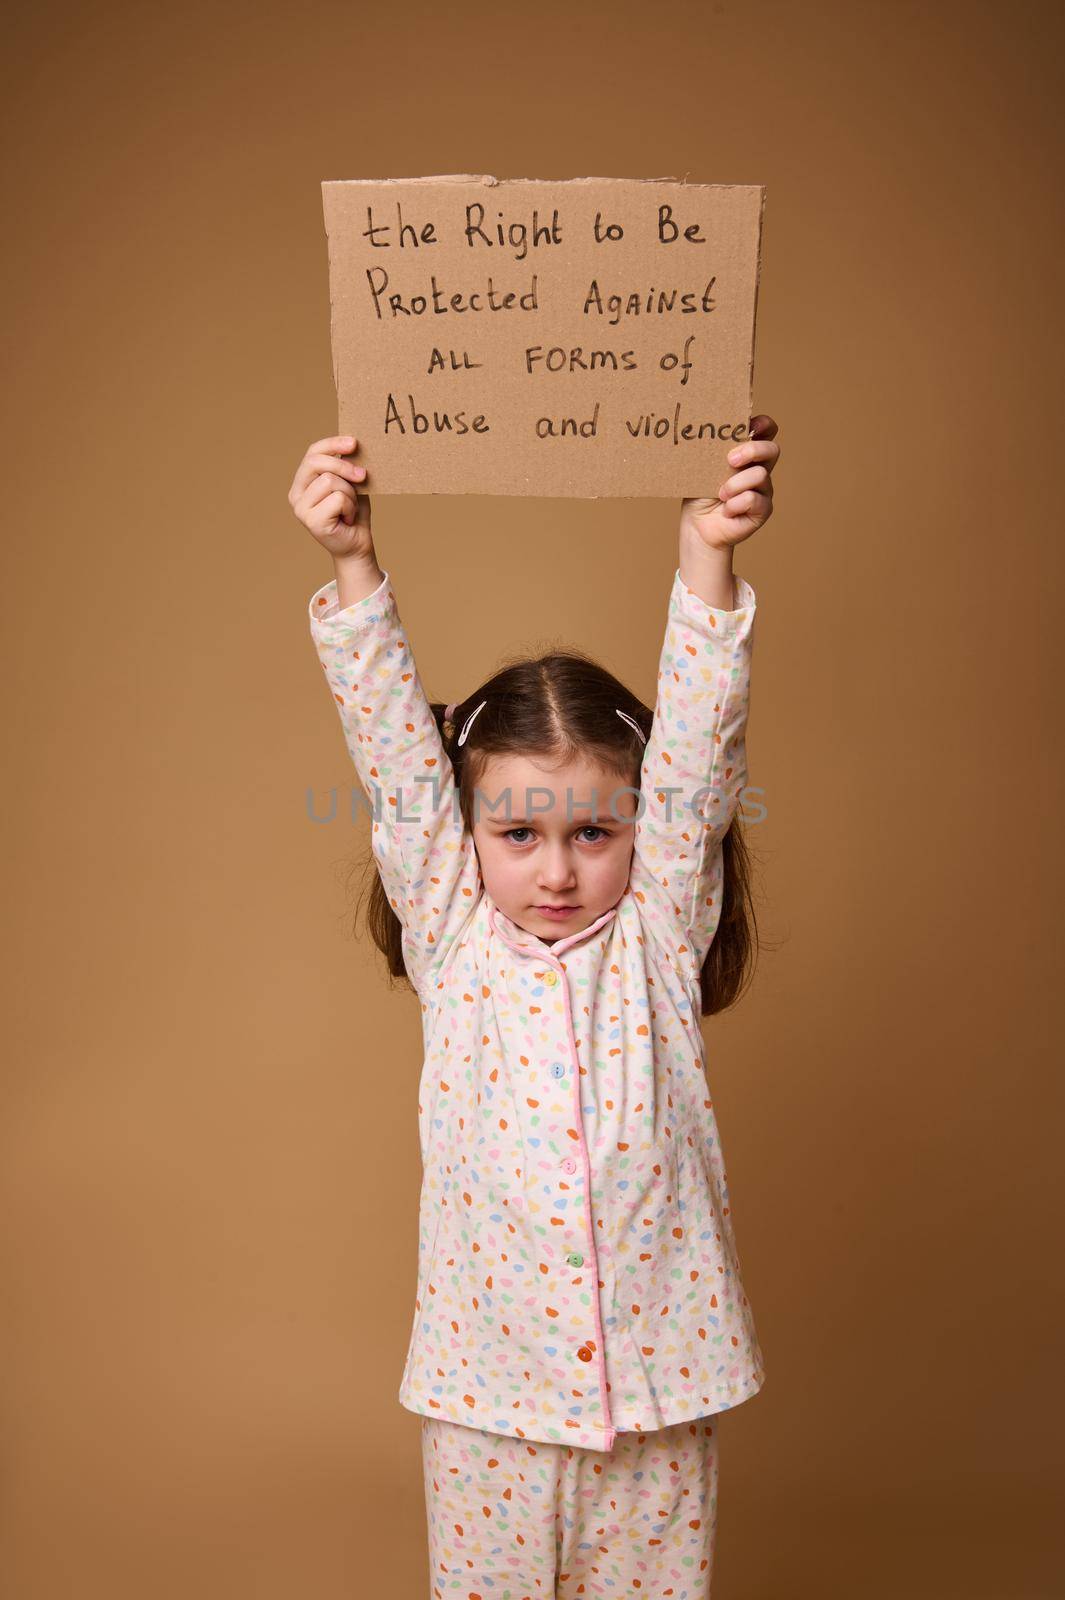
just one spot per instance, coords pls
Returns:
(424, 855)
(694, 769)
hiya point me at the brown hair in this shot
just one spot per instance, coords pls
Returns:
(559, 707)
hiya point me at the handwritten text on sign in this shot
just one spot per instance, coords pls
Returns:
(586, 337)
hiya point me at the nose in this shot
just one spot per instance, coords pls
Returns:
(556, 870)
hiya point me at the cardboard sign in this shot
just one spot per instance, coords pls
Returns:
(588, 337)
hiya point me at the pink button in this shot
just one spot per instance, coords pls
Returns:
(569, 1165)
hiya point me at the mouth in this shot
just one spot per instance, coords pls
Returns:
(557, 911)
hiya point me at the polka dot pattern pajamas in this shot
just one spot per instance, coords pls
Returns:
(580, 1316)
(514, 1519)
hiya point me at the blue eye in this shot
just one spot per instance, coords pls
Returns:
(590, 827)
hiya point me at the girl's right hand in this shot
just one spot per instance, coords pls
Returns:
(325, 498)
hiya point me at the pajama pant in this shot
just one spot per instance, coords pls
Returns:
(515, 1519)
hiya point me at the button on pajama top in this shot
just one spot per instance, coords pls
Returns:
(577, 1270)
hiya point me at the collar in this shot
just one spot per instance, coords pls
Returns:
(521, 939)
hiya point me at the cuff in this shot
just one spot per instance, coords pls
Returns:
(324, 607)
(713, 620)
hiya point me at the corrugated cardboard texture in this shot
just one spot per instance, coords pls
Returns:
(584, 337)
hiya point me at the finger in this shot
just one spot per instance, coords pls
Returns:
(341, 444)
(313, 464)
(324, 485)
(326, 481)
(764, 450)
(748, 504)
(327, 463)
(756, 477)
(338, 507)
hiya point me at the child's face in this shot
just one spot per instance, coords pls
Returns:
(546, 848)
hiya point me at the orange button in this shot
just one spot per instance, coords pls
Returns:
(584, 1353)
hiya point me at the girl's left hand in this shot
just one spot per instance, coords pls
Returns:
(746, 499)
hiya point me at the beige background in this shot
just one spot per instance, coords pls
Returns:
(210, 1162)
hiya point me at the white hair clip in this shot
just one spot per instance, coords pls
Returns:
(632, 723)
(468, 724)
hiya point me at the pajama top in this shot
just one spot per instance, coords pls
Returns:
(577, 1270)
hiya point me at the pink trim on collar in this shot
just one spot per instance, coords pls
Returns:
(548, 952)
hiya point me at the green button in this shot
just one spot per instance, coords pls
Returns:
(575, 1260)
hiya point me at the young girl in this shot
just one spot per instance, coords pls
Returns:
(561, 878)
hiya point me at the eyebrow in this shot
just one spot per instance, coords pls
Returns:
(512, 822)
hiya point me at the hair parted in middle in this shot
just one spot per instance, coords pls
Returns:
(561, 707)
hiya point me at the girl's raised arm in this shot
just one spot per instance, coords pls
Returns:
(424, 855)
(694, 768)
